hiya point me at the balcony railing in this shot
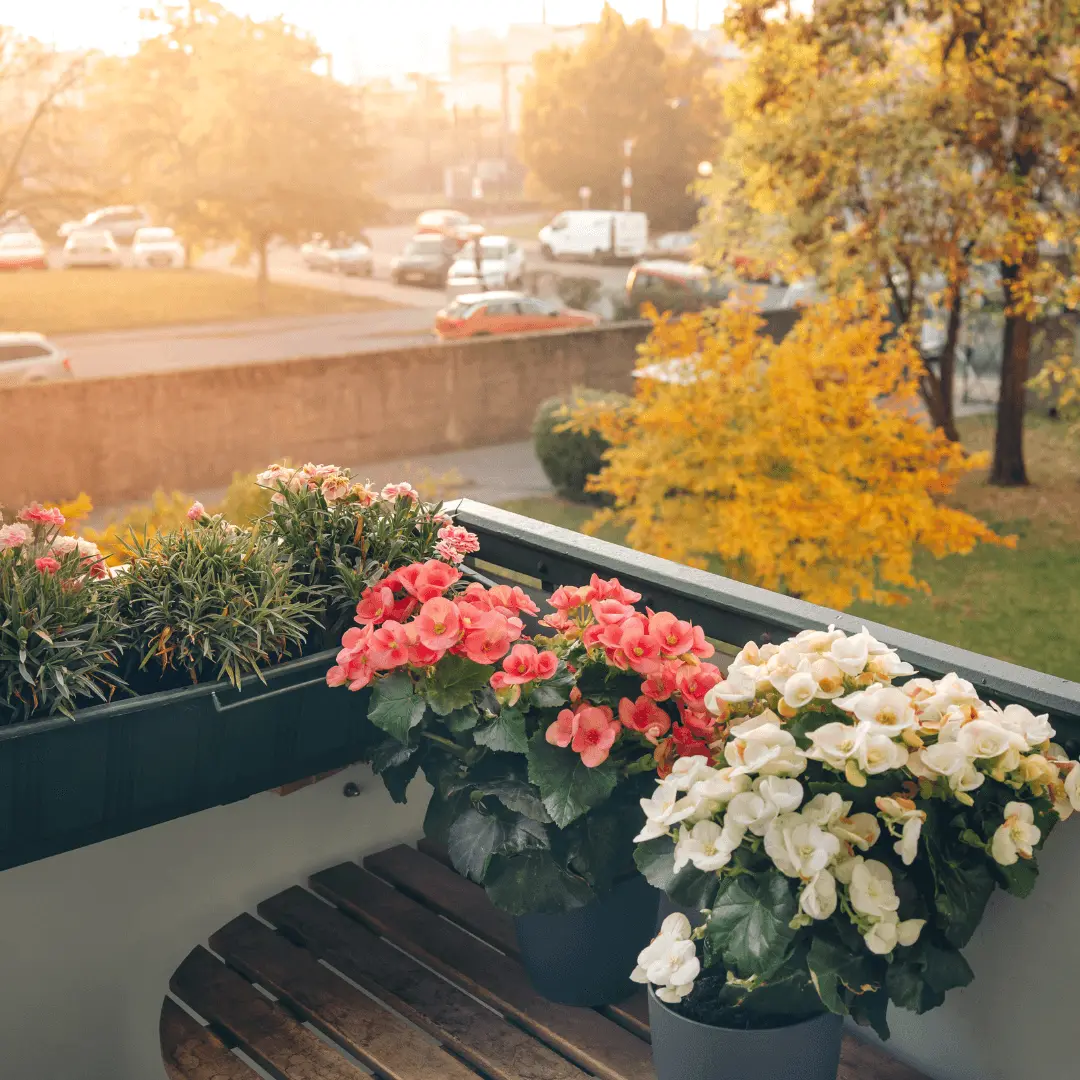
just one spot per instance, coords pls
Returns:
(734, 613)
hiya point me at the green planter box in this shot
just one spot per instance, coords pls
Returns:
(136, 762)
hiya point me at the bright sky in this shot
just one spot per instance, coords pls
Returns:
(366, 37)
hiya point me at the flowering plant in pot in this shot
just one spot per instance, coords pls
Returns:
(57, 631)
(538, 750)
(342, 536)
(834, 853)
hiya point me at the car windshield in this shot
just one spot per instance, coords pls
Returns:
(462, 309)
(490, 248)
(425, 246)
(151, 235)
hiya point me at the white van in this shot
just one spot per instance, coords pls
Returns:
(596, 234)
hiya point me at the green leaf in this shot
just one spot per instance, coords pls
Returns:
(506, 732)
(441, 814)
(452, 684)
(553, 692)
(568, 788)
(838, 972)
(1019, 878)
(396, 765)
(689, 888)
(601, 845)
(462, 720)
(963, 883)
(473, 839)
(921, 976)
(517, 795)
(524, 834)
(396, 707)
(749, 923)
(533, 882)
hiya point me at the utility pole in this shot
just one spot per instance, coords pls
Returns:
(627, 175)
(663, 12)
(543, 12)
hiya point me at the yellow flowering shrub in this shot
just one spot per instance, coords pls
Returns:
(804, 466)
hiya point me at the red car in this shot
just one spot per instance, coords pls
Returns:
(482, 314)
(451, 223)
(22, 251)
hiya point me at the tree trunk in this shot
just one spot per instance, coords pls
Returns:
(1008, 468)
(947, 373)
(262, 280)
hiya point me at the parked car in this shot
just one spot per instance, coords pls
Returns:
(122, 221)
(342, 255)
(157, 248)
(501, 264)
(451, 223)
(673, 245)
(481, 314)
(22, 251)
(595, 234)
(27, 357)
(672, 286)
(15, 221)
(426, 260)
(90, 248)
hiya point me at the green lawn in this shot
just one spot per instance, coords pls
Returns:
(74, 301)
(1022, 605)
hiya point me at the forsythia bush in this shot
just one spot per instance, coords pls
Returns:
(803, 466)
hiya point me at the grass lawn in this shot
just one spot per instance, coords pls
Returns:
(73, 301)
(1022, 605)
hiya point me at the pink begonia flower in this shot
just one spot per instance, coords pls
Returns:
(389, 647)
(695, 681)
(46, 564)
(438, 624)
(400, 491)
(676, 637)
(645, 716)
(356, 637)
(336, 676)
(376, 604)
(490, 639)
(595, 734)
(660, 685)
(335, 487)
(525, 664)
(432, 579)
(562, 731)
(514, 599)
(36, 514)
(697, 720)
(567, 597)
(14, 536)
(195, 511)
(611, 590)
(641, 649)
(701, 648)
(611, 612)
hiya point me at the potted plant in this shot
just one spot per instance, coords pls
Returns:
(538, 750)
(833, 853)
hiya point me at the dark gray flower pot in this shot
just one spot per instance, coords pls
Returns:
(585, 956)
(686, 1050)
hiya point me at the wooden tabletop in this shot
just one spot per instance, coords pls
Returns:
(378, 968)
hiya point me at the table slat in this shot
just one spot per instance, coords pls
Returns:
(266, 1032)
(632, 1014)
(381, 1040)
(191, 1052)
(597, 1044)
(863, 1060)
(447, 892)
(495, 1046)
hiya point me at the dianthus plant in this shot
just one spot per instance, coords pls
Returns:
(58, 625)
(836, 847)
(538, 749)
(342, 536)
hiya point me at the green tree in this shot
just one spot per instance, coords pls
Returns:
(579, 106)
(227, 126)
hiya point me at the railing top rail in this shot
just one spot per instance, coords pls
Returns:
(734, 612)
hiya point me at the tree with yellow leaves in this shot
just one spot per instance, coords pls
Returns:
(801, 466)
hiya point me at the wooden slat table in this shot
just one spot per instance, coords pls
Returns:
(400, 968)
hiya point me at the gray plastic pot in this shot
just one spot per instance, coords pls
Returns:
(585, 956)
(686, 1050)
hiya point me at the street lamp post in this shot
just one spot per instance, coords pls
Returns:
(627, 175)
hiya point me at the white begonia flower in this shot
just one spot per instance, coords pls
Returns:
(688, 771)
(888, 664)
(881, 938)
(824, 809)
(670, 960)
(883, 708)
(876, 752)
(844, 869)
(1017, 837)
(987, 739)
(850, 654)
(818, 897)
(948, 760)
(859, 830)
(829, 678)
(772, 795)
(798, 847)
(739, 687)
(658, 808)
(722, 786)
(817, 642)
(1035, 730)
(748, 656)
(707, 845)
(800, 690)
(1072, 787)
(766, 749)
(948, 691)
(908, 931)
(905, 815)
(871, 891)
(833, 744)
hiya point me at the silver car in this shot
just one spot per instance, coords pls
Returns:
(90, 248)
(29, 358)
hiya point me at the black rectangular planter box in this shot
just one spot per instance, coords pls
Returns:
(136, 762)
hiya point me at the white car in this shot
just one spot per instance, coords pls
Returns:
(595, 235)
(502, 265)
(122, 221)
(157, 248)
(22, 251)
(353, 258)
(28, 358)
(87, 248)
